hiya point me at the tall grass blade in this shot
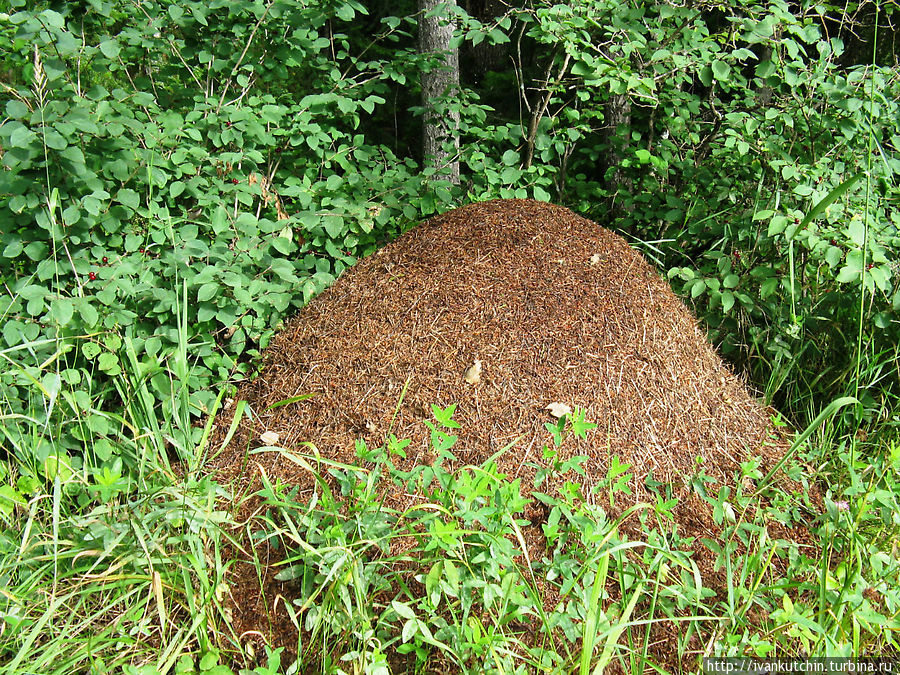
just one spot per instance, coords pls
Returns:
(830, 410)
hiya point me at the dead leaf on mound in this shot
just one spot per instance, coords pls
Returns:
(595, 259)
(472, 375)
(270, 438)
(559, 409)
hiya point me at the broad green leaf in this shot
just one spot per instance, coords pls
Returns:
(108, 363)
(54, 139)
(133, 242)
(16, 109)
(833, 256)
(510, 174)
(129, 198)
(881, 277)
(346, 12)
(432, 583)
(90, 350)
(721, 70)
(207, 291)
(848, 274)
(152, 346)
(403, 610)
(62, 310)
(53, 18)
(705, 74)
(13, 249)
(110, 48)
(777, 225)
(22, 137)
(856, 230)
(36, 250)
(206, 312)
(334, 225)
(283, 245)
(510, 158)
(76, 158)
(103, 449)
(199, 14)
(219, 220)
(112, 341)
(88, 313)
(98, 424)
(9, 497)
(727, 300)
(35, 306)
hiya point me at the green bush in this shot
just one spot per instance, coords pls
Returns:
(143, 151)
(761, 163)
(755, 161)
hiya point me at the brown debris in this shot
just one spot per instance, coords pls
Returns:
(269, 196)
(555, 310)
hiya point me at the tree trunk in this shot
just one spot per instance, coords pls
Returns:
(440, 123)
(617, 132)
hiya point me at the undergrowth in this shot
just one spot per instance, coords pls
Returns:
(105, 568)
(451, 583)
(105, 572)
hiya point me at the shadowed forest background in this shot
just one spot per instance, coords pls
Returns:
(178, 178)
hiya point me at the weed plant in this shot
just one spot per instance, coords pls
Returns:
(111, 556)
(104, 569)
(450, 582)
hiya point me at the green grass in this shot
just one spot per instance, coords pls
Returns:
(477, 588)
(108, 568)
(106, 562)
(122, 583)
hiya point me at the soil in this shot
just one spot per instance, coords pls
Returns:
(557, 310)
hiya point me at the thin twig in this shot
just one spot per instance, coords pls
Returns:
(536, 118)
(243, 54)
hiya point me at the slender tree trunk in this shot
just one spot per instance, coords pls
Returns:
(440, 138)
(617, 132)
(764, 93)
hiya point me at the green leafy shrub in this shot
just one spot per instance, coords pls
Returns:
(747, 151)
(794, 266)
(767, 161)
(159, 155)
